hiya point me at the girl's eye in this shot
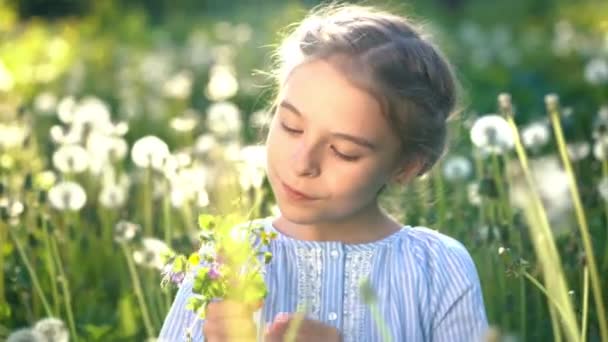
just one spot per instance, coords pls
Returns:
(289, 129)
(344, 156)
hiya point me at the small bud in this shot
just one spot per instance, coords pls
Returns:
(552, 101)
(504, 103)
(501, 250)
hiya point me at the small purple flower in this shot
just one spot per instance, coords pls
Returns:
(170, 275)
(214, 272)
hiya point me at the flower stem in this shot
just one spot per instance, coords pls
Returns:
(31, 272)
(585, 303)
(582, 223)
(138, 291)
(65, 287)
(51, 265)
(380, 323)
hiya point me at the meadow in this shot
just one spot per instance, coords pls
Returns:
(120, 126)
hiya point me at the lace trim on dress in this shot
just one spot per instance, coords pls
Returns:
(358, 267)
(310, 267)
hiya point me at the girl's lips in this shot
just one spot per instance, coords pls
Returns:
(294, 194)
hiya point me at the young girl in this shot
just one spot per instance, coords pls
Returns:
(363, 102)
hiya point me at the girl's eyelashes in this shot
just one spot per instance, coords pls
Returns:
(344, 156)
(289, 129)
(333, 148)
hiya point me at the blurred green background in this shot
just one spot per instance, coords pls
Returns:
(81, 82)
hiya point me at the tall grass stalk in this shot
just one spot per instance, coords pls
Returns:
(585, 312)
(542, 237)
(50, 264)
(605, 176)
(65, 287)
(138, 290)
(3, 237)
(31, 272)
(553, 109)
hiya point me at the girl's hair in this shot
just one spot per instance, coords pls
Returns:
(390, 58)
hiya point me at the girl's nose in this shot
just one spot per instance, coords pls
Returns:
(305, 161)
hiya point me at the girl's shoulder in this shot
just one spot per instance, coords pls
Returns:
(436, 251)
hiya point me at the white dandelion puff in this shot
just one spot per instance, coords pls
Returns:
(223, 119)
(67, 196)
(45, 102)
(149, 151)
(535, 135)
(26, 335)
(204, 144)
(223, 83)
(600, 148)
(152, 253)
(65, 109)
(93, 113)
(252, 166)
(125, 231)
(457, 168)
(596, 71)
(492, 134)
(71, 159)
(113, 196)
(12, 135)
(602, 188)
(473, 194)
(578, 150)
(53, 329)
(179, 86)
(186, 122)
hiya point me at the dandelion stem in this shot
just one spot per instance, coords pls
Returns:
(3, 236)
(605, 176)
(585, 303)
(582, 223)
(543, 240)
(138, 291)
(544, 291)
(65, 287)
(30, 270)
(50, 265)
(147, 200)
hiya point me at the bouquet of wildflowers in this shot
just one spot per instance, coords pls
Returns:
(228, 265)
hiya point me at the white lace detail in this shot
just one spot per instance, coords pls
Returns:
(309, 281)
(358, 267)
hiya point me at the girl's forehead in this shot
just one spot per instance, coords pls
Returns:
(318, 89)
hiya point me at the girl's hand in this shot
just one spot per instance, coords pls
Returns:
(307, 330)
(229, 321)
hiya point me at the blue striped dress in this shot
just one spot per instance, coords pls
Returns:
(426, 287)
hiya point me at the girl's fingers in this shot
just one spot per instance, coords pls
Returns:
(227, 308)
(229, 328)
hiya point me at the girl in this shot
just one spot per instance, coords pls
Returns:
(363, 102)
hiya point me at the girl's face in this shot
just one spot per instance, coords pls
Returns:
(329, 148)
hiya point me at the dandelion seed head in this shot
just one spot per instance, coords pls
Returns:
(185, 123)
(473, 194)
(457, 168)
(578, 150)
(596, 71)
(26, 335)
(12, 135)
(91, 112)
(535, 135)
(67, 195)
(65, 109)
(152, 253)
(204, 144)
(223, 83)
(45, 102)
(71, 159)
(492, 134)
(260, 118)
(53, 329)
(223, 119)
(179, 86)
(602, 188)
(125, 231)
(504, 101)
(149, 151)
(113, 196)
(600, 148)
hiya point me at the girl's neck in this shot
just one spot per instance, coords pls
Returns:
(368, 227)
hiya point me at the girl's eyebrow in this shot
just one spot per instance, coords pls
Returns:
(354, 139)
